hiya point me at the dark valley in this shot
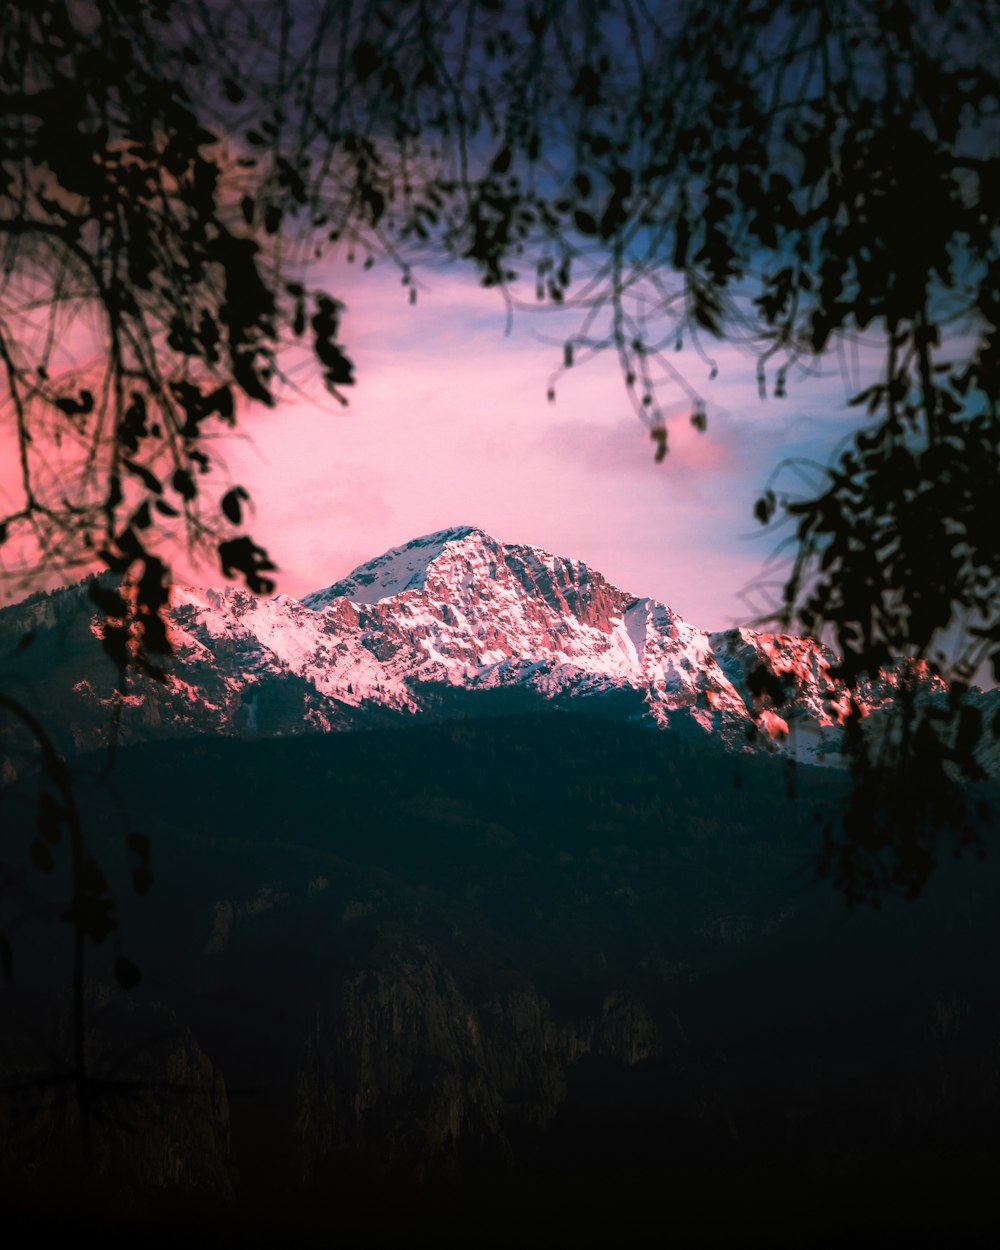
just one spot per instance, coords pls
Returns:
(511, 955)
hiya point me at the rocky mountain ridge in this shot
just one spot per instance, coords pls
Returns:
(452, 623)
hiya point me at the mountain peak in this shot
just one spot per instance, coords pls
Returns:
(400, 568)
(437, 624)
(466, 566)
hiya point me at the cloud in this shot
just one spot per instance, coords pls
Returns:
(449, 423)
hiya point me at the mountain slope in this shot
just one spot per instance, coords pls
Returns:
(551, 941)
(453, 623)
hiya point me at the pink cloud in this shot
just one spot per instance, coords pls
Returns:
(449, 424)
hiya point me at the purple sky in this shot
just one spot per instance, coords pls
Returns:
(449, 424)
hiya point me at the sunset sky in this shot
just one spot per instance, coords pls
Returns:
(449, 424)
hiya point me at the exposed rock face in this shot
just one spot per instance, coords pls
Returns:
(426, 629)
(159, 1113)
(403, 1057)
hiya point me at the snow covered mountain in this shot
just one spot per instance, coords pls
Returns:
(453, 623)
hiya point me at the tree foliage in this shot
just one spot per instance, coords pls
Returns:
(137, 310)
(806, 180)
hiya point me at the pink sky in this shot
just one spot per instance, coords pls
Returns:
(449, 424)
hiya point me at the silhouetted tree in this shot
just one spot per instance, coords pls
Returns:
(799, 178)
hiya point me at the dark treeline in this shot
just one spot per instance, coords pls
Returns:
(511, 953)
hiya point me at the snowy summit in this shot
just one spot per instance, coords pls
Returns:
(454, 623)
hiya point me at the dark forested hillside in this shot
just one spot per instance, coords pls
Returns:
(527, 947)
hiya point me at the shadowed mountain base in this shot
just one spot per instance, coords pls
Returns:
(533, 970)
